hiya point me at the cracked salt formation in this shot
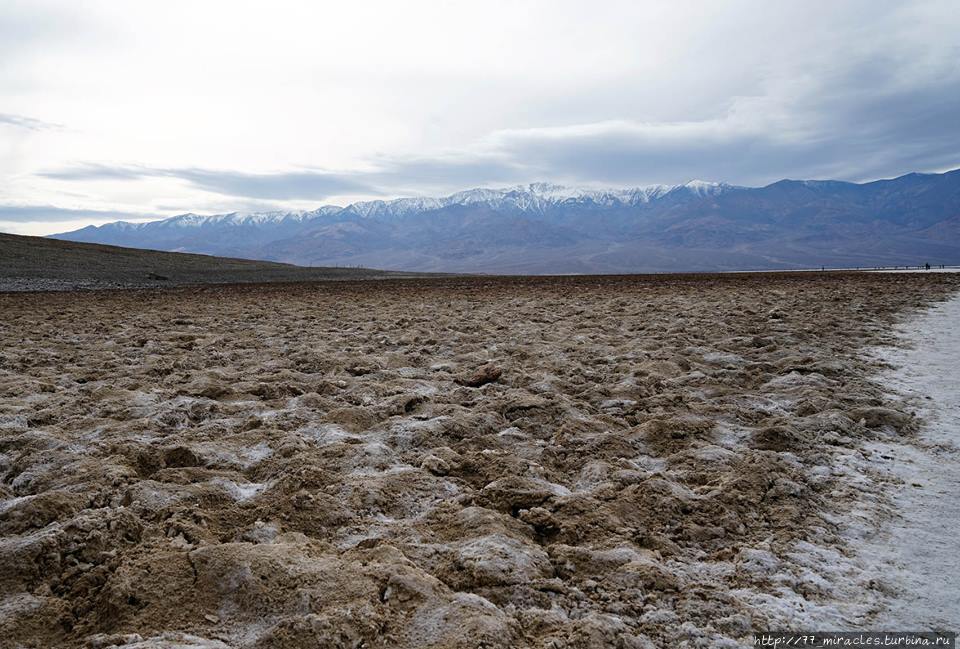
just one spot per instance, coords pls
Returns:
(494, 462)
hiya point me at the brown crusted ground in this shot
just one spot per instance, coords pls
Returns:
(540, 462)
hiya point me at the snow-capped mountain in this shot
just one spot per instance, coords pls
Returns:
(535, 197)
(544, 227)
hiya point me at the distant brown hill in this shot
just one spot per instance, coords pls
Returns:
(36, 263)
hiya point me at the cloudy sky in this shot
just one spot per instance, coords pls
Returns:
(147, 109)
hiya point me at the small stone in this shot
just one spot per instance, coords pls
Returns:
(435, 465)
(539, 518)
(212, 619)
(105, 640)
(481, 376)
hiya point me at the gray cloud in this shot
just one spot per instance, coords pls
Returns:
(390, 176)
(895, 132)
(305, 185)
(279, 186)
(28, 123)
(49, 213)
(880, 109)
(94, 171)
(867, 119)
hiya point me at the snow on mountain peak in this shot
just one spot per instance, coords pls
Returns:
(703, 187)
(532, 197)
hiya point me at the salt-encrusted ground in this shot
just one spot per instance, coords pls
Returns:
(543, 462)
(915, 553)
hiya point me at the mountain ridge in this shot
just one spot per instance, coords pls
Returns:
(532, 191)
(546, 228)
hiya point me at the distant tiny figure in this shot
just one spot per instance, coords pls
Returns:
(927, 265)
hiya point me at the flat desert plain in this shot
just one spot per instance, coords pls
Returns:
(461, 462)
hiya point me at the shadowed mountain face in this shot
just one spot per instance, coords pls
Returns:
(544, 228)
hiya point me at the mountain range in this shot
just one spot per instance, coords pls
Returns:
(546, 228)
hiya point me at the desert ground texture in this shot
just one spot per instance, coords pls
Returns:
(557, 462)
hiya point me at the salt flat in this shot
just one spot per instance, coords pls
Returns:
(459, 462)
(916, 552)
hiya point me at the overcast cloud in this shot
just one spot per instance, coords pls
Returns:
(164, 107)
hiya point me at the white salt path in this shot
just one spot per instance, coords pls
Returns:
(948, 269)
(920, 555)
